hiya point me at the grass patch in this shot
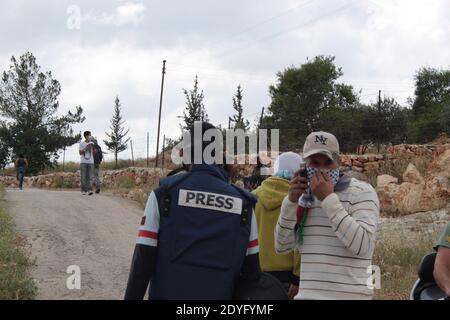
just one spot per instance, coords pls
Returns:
(64, 183)
(398, 254)
(15, 280)
(125, 182)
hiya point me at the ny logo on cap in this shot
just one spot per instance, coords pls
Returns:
(321, 139)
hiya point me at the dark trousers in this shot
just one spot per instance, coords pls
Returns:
(20, 176)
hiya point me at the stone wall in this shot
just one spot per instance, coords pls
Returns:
(369, 162)
(416, 193)
(125, 178)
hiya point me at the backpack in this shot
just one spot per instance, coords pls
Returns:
(98, 155)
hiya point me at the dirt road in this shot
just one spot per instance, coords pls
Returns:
(65, 228)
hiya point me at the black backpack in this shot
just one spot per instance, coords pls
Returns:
(98, 156)
(425, 287)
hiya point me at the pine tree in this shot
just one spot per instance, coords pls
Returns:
(238, 119)
(195, 109)
(32, 125)
(117, 142)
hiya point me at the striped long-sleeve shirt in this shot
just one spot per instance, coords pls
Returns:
(338, 243)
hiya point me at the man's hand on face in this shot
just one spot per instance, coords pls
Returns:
(321, 185)
(297, 187)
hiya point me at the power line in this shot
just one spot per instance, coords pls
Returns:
(279, 33)
(252, 27)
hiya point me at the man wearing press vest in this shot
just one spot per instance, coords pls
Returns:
(197, 236)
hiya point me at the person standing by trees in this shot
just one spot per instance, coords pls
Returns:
(86, 163)
(98, 157)
(21, 166)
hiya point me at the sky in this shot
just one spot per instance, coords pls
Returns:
(101, 49)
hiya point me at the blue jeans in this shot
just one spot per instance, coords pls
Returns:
(20, 176)
(86, 173)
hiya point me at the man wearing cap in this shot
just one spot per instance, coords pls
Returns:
(332, 219)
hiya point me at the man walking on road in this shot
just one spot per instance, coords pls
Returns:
(86, 150)
(21, 166)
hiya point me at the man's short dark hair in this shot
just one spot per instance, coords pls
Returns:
(205, 126)
(86, 133)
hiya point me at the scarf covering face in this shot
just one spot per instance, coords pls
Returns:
(340, 182)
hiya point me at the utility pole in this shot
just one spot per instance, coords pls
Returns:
(147, 148)
(132, 155)
(261, 118)
(379, 121)
(229, 123)
(163, 149)
(160, 106)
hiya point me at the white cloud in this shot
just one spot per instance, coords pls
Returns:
(379, 44)
(93, 76)
(127, 13)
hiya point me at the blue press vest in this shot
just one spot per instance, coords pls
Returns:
(200, 251)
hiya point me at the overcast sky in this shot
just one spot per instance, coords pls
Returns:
(119, 47)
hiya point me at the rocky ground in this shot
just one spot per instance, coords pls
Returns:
(421, 222)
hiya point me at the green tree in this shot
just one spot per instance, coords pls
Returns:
(305, 98)
(117, 141)
(430, 105)
(386, 123)
(345, 124)
(238, 119)
(29, 104)
(195, 109)
(5, 152)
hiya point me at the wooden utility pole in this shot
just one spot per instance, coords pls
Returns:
(261, 118)
(64, 157)
(379, 121)
(160, 106)
(163, 149)
(132, 155)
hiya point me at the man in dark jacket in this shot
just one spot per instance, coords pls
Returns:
(198, 235)
(98, 157)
